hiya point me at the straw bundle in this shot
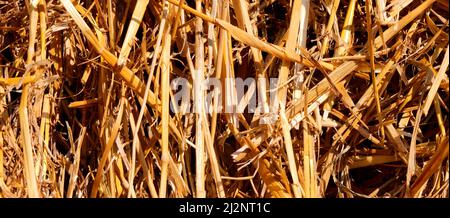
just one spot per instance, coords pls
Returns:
(351, 98)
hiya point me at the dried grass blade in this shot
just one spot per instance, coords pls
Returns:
(432, 166)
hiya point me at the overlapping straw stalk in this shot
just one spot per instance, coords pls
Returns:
(359, 107)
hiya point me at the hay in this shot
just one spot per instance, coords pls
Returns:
(359, 107)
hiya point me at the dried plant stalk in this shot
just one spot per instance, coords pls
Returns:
(165, 155)
(161, 98)
(136, 19)
(29, 168)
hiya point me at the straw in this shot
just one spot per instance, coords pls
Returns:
(90, 106)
